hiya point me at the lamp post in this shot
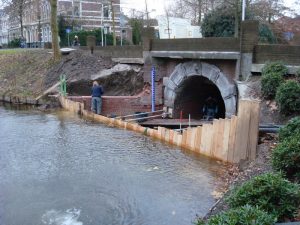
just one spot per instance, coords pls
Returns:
(113, 23)
(243, 10)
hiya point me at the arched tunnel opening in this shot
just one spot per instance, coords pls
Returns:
(192, 96)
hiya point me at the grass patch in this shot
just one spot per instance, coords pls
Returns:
(11, 51)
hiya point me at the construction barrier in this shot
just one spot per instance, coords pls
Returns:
(229, 140)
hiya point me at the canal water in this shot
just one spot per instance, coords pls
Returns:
(59, 169)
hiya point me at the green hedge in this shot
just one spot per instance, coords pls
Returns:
(271, 193)
(245, 215)
(298, 75)
(269, 84)
(288, 97)
(292, 127)
(275, 67)
(286, 157)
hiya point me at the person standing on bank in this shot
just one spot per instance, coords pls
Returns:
(97, 92)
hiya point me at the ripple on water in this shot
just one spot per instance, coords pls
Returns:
(69, 217)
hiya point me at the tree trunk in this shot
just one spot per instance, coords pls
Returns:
(199, 11)
(21, 11)
(54, 30)
(237, 18)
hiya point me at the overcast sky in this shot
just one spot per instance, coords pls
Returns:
(158, 5)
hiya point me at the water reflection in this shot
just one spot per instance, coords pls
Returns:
(60, 169)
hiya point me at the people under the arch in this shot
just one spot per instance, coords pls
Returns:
(210, 108)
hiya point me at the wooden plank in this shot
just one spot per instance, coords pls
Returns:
(198, 139)
(213, 148)
(189, 138)
(166, 135)
(232, 138)
(179, 140)
(242, 133)
(206, 139)
(254, 129)
(193, 139)
(184, 139)
(219, 142)
(171, 136)
(225, 144)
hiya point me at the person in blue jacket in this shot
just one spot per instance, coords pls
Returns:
(97, 92)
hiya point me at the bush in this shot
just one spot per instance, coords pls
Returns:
(269, 192)
(269, 84)
(286, 157)
(292, 127)
(298, 75)
(275, 67)
(14, 43)
(288, 97)
(246, 215)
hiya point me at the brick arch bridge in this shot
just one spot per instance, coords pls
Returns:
(191, 83)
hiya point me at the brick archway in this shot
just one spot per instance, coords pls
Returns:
(226, 86)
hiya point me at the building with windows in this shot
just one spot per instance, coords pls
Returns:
(172, 27)
(84, 14)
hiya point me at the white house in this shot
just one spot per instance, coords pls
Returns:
(172, 27)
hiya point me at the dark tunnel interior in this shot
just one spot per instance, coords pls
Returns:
(193, 95)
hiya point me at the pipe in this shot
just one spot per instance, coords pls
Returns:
(142, 113)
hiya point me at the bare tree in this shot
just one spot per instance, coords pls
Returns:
(54, 30)
(16, 10)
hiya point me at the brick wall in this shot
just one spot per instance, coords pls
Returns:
(196, 44)
(117, 105)
(288, 54)
(126, 51)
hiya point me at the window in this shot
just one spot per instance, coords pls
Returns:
(106, 11)
(76, 11)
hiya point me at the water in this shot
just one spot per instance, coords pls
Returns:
(58, 169)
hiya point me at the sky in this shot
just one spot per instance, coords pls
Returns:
(158, 6)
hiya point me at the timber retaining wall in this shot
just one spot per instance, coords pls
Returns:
(228, 140)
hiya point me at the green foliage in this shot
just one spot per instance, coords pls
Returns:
(286, 157)
(269, 192)
(266, 35)
(218, 23)
(291, 128)
(245, 215)
(62, 26)
(298, 75)
(269, 84)
(272, 78)
(137, 26)
(15, 43)
(275, 67)
(288, 97)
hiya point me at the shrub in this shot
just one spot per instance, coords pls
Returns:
(292, 127)
(269, 84)
(288, 97)
(298, 75)
(275, 67)
(286, 157)
(269, 192)
(246, 215)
